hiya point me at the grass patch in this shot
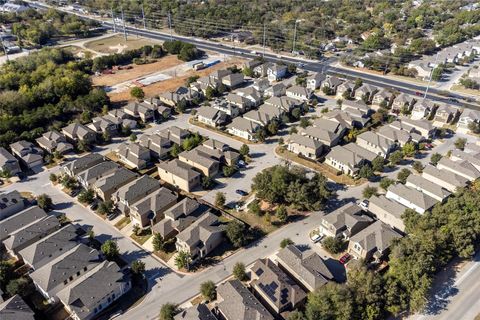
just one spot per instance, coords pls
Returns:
(259, 222)
(197, 300)
(122, 223)
(462, 89)
(168, 251)
(117, 44)
(142, 237)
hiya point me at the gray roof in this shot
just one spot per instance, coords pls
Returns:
(419, 182)
(392, 134)
(137, 189)
(215, 144)
(394, 208)
(299, 90)
(444, 175)
(307, 267)
(84, 163)
(155, 202)
(115, 179)
(329, 125)
(283, 102)
(6, 156)
(15, 309)
(179, 169)
(40, 228)
(20, 220)
(156, 143)
(77, 130)
(83, 295)
(347, 217)
(243, 124)
(57, 270)
(174, 134)
(377, 236)
(361, 152)
(198, 312)
(305, 141)
(463, 167)
(238, 303)
(474, 159)
(99, 171)
(208, 112)
(200, 231)
(412, 195)
(376, 140)
(182, 208)
(9, 199)
(319, 133)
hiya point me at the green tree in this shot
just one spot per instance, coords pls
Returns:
(110, 250)
(304, 123)
(167, 311)
(106, 137)
(460, 143)
(229, 171)
(220, 199)
(254, 207)
(137, 93)
(333, 245)
(333, 301)
(236, 233)
(409, 149)
(138, 267)
(366, 172)
(105, 207)
(53, 178)
(86, 196)
(244, 150)
(378, 164)
(285, 243)
(176, 150)
(210, 93)
(133, 137)
(207, 183)
(403, 175)
(183, 259)
(248, 72)
(239, 271)
(435, 158)
(45, 202)
(437, 73)
(395, 157)
(208, 290)
(18, 286)
(282, 213)
(6, 273)
(418, 166)
(158, 242)
(385, 183)
(369, 191)
(296, 315)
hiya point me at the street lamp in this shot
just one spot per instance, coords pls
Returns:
(295, 34)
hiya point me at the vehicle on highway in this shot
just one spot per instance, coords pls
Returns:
(345, 258)
(243, 193)
(418, 93)
(301, 65)
(253, 52)
(364, 205)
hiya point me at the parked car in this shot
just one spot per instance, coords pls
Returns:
(112, 215)
(94, 205)
(243, 193)
(242, 164)
(364, 205)
(74, 192)
(316, 237)
(345, 258)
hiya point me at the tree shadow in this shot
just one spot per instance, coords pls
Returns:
(62, 205)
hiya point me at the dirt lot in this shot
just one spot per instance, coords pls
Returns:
(172, 84)
(117, 44)
(137, 71)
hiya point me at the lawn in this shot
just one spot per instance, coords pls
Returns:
(143, 237)
(122, 223)
(462, 89)
(257, 221)
(117, 44)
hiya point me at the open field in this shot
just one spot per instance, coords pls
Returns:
(117, 44)
(462, 89)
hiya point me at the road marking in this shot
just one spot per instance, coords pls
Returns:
(467, 273)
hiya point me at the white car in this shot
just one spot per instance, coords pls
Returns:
(316, 237)
(364, 205)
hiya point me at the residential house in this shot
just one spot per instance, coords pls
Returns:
(106, 125)
(203, 83)
(108, 184)
(276, 72)
(243, 128)
(375, 143)
(422, 109)
(142, 110)
(254, 97)
(26, 151)
(251, 64)
(201, 237)
(89, 176)
(346, 89)
(54, 141)
(177, 218)
(211, 116)
(220, 74)
(77, 132)
(423, 69)
(283, 103)
(231, 157)
(235, 302)
(307, 268)
(150, 210)
(322, 135)
(366, 92)
(215, 145)
(11, 7)
(94, 291)
(15, 309)
(264, 115)
(197, 312)
(275, 288)
(164, 112)
(445, 114)
(175, 134)
(461, 168)
(472, 158)
(241, 102)
(276, 90)
(471, 147)
(410, 198)
(117, 113)
(159, 146)
(230, 109)
(133, 191)
(299, 93)
(8, 163)
(201, 161)
(233, 80)
(332, 83)
(422, 127)
(344, 222)
(352, 118)
(172, 99)
(349, 158)
(179, 174)
(10, 203)
(427, 187)
(19, 220)
(399, 137)
(315, 80)
(373, 242)
(445, 178)
(467, 117)
(305, 146)
(133, 155)
(261, 84)
(350, 105)
(401, 102)
(384, 97)
(388, 211)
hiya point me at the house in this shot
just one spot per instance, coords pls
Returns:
(305, 146)
(349, 158)
(50, 247)
(15, 309)
(299, 93)
(94, 291)
(26, 151)
(461, 168)
(197, 312)
(472, 158)
(315, 80)
(109, 183)
(264, 115)
(261, 84)
(89, 176)
(8, 163)
(276, 72)
(20, 220)
(445, 178)
(220, 74)
(211, 116)
(251, 64)
(241, 102)
(149, 210)
(384, 97)
(427, 187)
(235, 302)
(177, 218)
(399, 137)
(54, 141)
(307, 268)
(215, 145)
(467, 117)
(388, 211)
(422, 127)
(133, 191)
(10, 203)
(276, 90)
(410, 198)
(401, 102)
(142, 110)
(179, 174)
(322, 133)
(346, 89)
(201, 237)
(164, 112)
(231, 158)
(471, 147)
(344, 222)
(28, 234)
(172, 99)
(445, 114)
(249, 93)
(366, 92)
(201, 161)
(352, 118)
(422, 109)
(283, 103)
(335, 125)
(233, 80)
(275, 288)
(81, 164)
(373, 242)
(77, 132)
(117, 113)
(332, 83)
(230, 109)
(375, 143)
(175, 134)
(159, 146)
(363, 109)
(106, 125)
(203, 83)
(243, 128)
(423, 69)
(133, 155)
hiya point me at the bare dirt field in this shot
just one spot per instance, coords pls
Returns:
(117, 44)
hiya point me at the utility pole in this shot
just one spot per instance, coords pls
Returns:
(294, 36)
(431, 75)
(386, 66)
(233, 45)
(264, 38)
(143, 16)
(170, 25)
(124, 29)
(113, 20)
(4, 49)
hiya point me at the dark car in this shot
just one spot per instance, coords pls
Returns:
(94, 205)
(74, 192)
(417, 93)
(345, 258)
(241, 192)
(112, 215)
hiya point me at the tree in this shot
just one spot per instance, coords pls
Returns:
(210, 93)
(83, 145)
(6, 273)
(137, 93)
(395, 157)
(460, 143)
(229, 171)
(207, 183)
(158, 242)
(296, 315)
(403, 175)
(409, 149)
(378, 164)
(304, 123)
(247, 72)
(53, 178)
(285, 243)
(106, 137)
(254, 207)
(236, 233)
(167, 311)
(18, 286)
(208, 290)
(435, 158)
(369, 191)
(86, 196)
(133, 137)
(437, 73)
(239, 271)
(175, 150)
(220, 199)
(138, 267)
(296, 113)
(366, 172)
(385, 183)
(181, 106)
(333, 245)
(45, 202)
(282, 213)
(110, 250)
(260, 135)
(183, 260)
(105, 207)
(418, 166)
(244, 150)
(333, 301)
